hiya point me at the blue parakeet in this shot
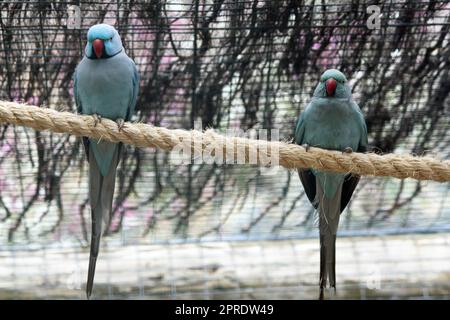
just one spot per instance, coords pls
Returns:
(106, 84)
(332, 120)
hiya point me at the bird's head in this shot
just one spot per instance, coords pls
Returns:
(103, 42)
(333, 84)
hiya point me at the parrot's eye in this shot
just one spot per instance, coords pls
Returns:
(110, 39)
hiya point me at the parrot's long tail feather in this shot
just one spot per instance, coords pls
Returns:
(328, 260)
(92, 262)
(96, 214)
(91, 273)
(101, 192)
(329, 213)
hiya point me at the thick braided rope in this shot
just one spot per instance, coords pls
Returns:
(290, 155)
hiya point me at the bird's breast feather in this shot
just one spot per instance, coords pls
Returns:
(105, 86)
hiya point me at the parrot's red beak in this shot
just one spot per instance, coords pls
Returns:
(330, 86)
(97, 44)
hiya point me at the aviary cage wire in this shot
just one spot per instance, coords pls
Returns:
(243, 64)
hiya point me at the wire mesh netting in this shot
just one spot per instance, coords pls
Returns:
(241, 65)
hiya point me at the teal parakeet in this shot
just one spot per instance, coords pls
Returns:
(332, 120)
(106, 84)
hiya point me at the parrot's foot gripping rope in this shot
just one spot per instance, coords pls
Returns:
(97, 119)
(288, 155)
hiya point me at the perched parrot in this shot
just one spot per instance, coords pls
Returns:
(332, 120)
(106, 84)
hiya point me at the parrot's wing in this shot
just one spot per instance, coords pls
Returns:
(75, 91)
(133, 100)
(350, 183)
(351, 180)
(300, 128)
(307, 178)
(135, 92)
(80, 110)
(363, 141)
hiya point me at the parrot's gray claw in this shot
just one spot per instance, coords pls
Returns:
(348, 150)
(97, 119)
(306, 146)
(120, 124)
(321, 294)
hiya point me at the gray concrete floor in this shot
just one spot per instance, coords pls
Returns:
(388, 267)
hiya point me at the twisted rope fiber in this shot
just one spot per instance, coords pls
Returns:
(290, 155)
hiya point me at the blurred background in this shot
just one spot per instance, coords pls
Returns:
(226, 231)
